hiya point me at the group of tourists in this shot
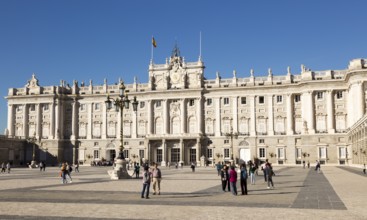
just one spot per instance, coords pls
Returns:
(154, 176)
(229, 176)
(5, 168)
(65, 172)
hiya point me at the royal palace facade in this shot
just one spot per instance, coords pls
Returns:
(184, 117)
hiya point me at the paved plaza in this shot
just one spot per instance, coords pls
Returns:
(334, 193)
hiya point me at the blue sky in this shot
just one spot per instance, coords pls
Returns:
(88, 39)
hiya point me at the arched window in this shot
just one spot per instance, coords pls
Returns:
(243, 126)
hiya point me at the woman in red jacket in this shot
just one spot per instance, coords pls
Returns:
(233, 180)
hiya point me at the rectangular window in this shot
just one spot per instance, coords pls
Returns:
(261, 141)
(226, 153)
(339, 94)
(32, 108)
(210, 153)
(96, 154)
(243, 100)
(175, 155)
(262, 153)
(261, 100)
(322, 153)
(342, 152)
(141, 154)
(141, 143)
(158, 103)
(126, 143)
(159, 155)
(19, 108)
(193, 155)
(319, 95)
(192, 102)
(45, 107)
(226, 141)
(299, 153)
(209, 102)
(281, 153)
(82, 107)
(297, 98)
(97, 106)
(279, 99)
(126, 153)
(226, 101)
(142, 104)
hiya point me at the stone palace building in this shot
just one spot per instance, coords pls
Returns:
(184, 117)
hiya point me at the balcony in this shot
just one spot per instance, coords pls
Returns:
(279, 133)
(111, 136)
(209, 134)
(262, 133)
(96, 136)
(340, 131)
(127, 136)
(321, 131)
(141, 135)
(82, 137)
(243, 134)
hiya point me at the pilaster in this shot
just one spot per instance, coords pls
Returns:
(270, 115)
(290, 118)
(330, 112)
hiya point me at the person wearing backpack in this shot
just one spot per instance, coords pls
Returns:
(157, 177)
(146, 182)
(243, 179)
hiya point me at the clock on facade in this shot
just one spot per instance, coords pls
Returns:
(175, 77)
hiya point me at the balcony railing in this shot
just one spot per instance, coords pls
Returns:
(279, 133)
(82, 137)
(111, 136)
(96, 136)
(243, 133)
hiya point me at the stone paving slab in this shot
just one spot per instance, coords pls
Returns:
(29, 194)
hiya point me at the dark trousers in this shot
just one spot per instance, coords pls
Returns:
(243, 183)
(146, 186)
(224, 184)
(264, 175)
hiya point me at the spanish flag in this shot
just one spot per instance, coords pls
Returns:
(154, 42)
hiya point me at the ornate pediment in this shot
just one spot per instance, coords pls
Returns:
(33, 83)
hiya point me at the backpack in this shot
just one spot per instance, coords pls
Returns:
(244, 174)
(159, 174)
(70, 169)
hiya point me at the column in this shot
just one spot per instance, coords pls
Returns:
(330, 112)
(25, 121)
(198, 151)
(199, 113)
(252, 116)
(150, 118)
(183, 116)
(235, 114)
(181, 150)
(361, 100)
(39, 122)
(90, 121)
(135, 124)
(290, 119)
(52, 120)
(164, 155)
(73, 120)
(11, 120)
(270, 115)
(57, 119)
(218, 117)
(165, 117)
(104, 122)
(308, 112)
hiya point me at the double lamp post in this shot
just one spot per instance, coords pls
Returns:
(120, 103)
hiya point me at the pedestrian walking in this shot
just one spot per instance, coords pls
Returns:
(8, 167)
(63, 173)
(219, 168)
(193, 167)
(252, 175)
(308, 164)
(3, 167)
(69, 169)
(233, 180)
(243, 180)
(44, 166)
(41, 166)
(157, 177)
(137, 170)
(169, 165)
(304, 164)
(77, 167)
(269, 175)
(225, 178)
(364, 168)
(318, 166)
(146, 182)
(263, 166)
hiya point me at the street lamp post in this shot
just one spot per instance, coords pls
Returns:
(232, 135)
(32, 140)
(121, 102)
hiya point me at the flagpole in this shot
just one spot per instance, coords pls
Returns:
(152, 50)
